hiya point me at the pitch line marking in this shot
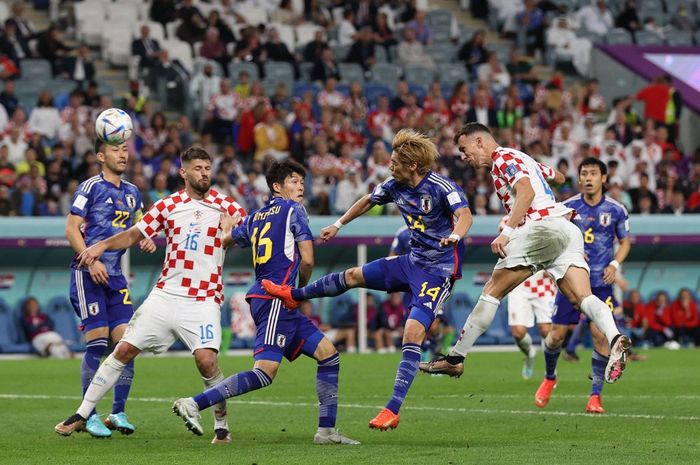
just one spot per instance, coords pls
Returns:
(373, 407)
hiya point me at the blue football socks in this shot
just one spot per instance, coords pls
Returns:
(327, 390)
(408, 367)
(328, 286)
(234, 385)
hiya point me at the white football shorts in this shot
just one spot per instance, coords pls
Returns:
(524, 309)
(552, 243)
(164, 318)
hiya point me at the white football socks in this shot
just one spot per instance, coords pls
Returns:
(477, 323)
(600, 314)
(105, 378)
(219, 411)
(525, 344)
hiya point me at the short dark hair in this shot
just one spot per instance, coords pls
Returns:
(591, 161)
(99, 145)
(278, 171)
(194, 153)
(471, 128)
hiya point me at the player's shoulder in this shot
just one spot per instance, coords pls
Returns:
(388, 182)
(88, 186)
(440, 182)
(574, 200)
(225, 201)
(132, 188)
(615, 205)
(508, 154)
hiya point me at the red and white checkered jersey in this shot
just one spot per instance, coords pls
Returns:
(509, 166)
(539, 285)
(194, 254)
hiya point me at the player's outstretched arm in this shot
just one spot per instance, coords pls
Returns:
(464, 222)
(358, 209)
(524, 194)
(120, 241)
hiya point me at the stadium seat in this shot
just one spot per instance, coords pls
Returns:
(181, 50)
(305, 70)
(279, 71)
(451, 73)
(33, 68)
(122, 11)
(305, 33)
(66, 324)
(254, 16)
(679, 38)
(440, 17)
(301, 88)
(419, 90)
(10, 332)
(419, 75)
(156, 30)
(4, 12)
(618, 36)
(648, 38)
(287, 36)
(592, 36)
(443, 52)
(351, 72)
(340, 52)
(234, 69)
(380, 54)
(386, 73)
(373, 90)
(441, 35)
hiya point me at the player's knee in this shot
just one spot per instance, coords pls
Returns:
(414, 333)
(125, 352)
(518, 332)
(207, 363)
(353, 277)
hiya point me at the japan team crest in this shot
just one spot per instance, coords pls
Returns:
(131, 201)
(426, 203)
(93, 308)
(605, 219)
(281, 340)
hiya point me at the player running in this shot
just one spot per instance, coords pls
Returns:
(429, 204)
(103, 206)
(537, 236)
(282, 245)
(601, 220)
(531, 301)
(185, 302)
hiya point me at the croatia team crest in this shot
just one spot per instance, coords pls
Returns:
(426, 203)
(131, 201)
(605, 219)
(281, 339)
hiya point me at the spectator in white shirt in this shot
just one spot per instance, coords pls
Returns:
(595, 17)
(45, 118)
(203, 87)
(412, 53)
(347, 34)
(566, 43)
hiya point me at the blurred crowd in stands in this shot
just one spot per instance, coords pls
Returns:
(335, 110)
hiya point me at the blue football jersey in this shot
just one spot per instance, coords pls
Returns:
(107, 210)
(273, 232)
(428, 210)
(600, 225)
(401, 245)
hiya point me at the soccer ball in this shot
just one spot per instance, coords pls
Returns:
(114, 126)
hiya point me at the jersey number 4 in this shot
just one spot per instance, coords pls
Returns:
(259, 241)
(120, 218)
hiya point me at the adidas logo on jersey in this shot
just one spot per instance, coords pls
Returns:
(109, 200)
(429, 305)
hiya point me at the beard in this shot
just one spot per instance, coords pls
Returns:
(201, 186)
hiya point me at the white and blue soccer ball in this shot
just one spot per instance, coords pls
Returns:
(114, 126)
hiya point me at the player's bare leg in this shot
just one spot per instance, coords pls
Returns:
(327, 372)
(105, 378)
(575, 285)
(208, 366)
(118, 420)
(524, 342)
(413, 336)
(599, 360)
(502, 281)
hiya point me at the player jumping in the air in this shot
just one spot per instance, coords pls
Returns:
(282, 245)
(103, 206)
(539, 235)
(531, 301)
(429, 204)
(185, 302)
(601, 220)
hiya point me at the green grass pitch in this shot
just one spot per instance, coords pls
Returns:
(485, 417)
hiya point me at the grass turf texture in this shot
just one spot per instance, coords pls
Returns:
(487, 416)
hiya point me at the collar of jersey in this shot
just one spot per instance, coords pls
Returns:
(425, 178)
(602, 199)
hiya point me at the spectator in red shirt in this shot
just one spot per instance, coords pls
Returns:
(395, 316)
(662, 103)
(635, 311)
(684, 318)
(656, 330)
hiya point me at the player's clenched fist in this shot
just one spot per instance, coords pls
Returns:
(147, 245)
(328, 233)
